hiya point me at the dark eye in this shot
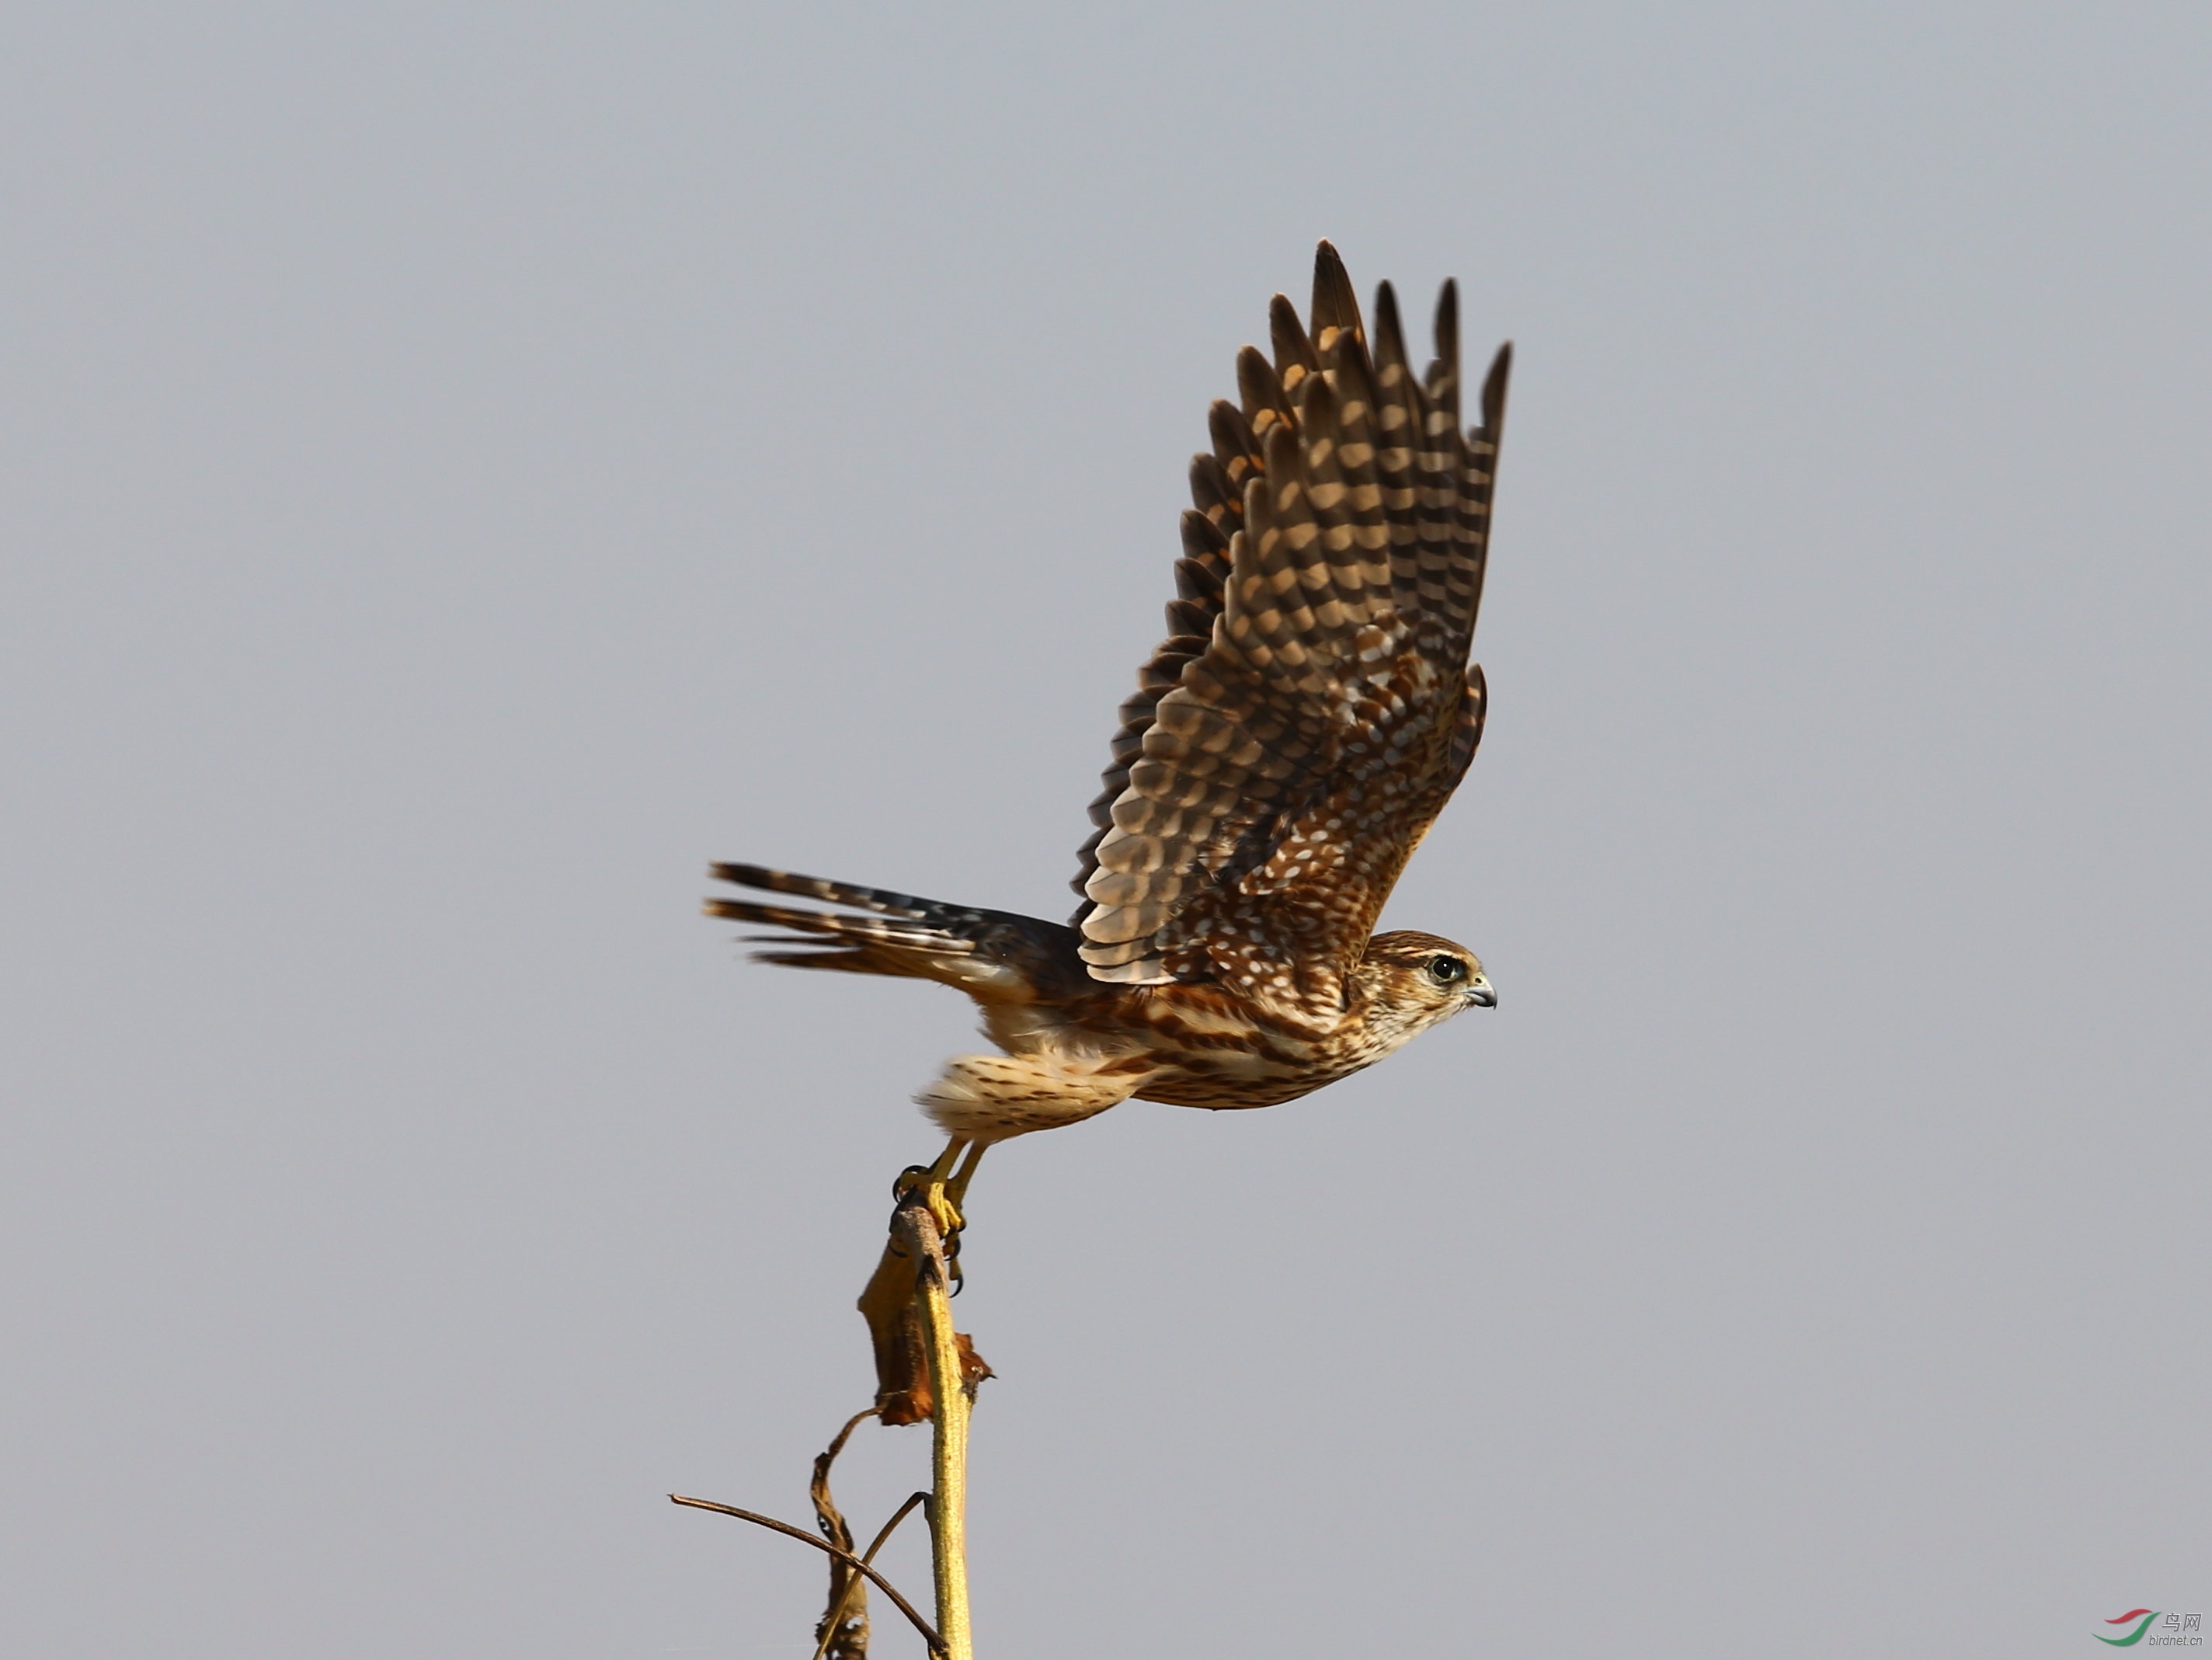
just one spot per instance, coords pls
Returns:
(1447, 971)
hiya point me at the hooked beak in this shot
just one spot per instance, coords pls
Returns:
(1482, 994)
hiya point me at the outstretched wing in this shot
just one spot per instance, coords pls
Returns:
(1312, 709)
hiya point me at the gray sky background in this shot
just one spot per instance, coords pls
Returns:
(468, 465)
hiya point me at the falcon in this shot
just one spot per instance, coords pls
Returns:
(1290, 742)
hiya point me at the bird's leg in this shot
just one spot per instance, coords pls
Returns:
(956, 1185)
(956, 1202)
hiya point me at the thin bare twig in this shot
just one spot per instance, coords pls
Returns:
(928, 1630)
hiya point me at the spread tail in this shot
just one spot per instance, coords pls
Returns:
(979, 951)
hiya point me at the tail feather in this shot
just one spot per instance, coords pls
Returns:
(985, 952)
(831, 928)
(952, 918)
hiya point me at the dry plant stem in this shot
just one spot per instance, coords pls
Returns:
(948, 1508)
(929, 1631)
(896, 1327)
(844, 1632)
(837, 1608)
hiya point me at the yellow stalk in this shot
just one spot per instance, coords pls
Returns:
(948, 1500)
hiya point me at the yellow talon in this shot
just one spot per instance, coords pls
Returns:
(942, 1185)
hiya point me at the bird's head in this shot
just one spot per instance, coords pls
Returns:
(1413, 980)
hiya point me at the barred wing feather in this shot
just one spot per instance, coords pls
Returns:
(1312, 709)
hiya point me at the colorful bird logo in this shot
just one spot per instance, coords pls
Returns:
(2133, 1636)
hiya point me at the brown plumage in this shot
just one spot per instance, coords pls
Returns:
(1289, 744)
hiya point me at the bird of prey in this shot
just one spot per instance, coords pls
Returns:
(1290, 744)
